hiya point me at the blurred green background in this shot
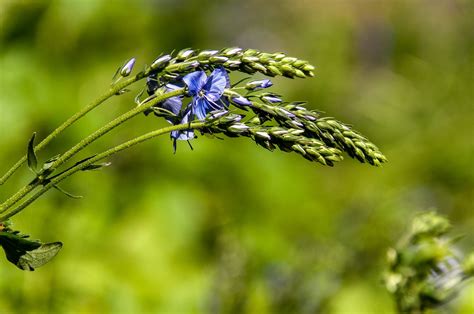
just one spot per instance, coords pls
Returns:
(230, 227)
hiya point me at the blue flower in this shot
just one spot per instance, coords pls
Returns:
(206, 91)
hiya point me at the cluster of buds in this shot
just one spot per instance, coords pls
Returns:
(277, 124)
(233, 59)
(272, 137)
(426, 270)
(328, 131)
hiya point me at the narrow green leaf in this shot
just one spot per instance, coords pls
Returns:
(96, 166)
(67, 193)
(32, 160)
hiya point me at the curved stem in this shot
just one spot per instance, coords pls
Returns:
(85, 142)
(110, 93)
(96, 158)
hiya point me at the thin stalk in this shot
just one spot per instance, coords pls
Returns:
(114, 90)
(56, 180)
(85, 142)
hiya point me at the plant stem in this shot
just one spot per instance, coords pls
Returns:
(85, 142)
(96, 158)
(114, 90)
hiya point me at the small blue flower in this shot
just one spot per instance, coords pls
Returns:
(206, 91)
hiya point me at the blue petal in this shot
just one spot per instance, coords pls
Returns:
(195, 81)
(173, 104)
(184, 135)
(216, 83)
(201, 107)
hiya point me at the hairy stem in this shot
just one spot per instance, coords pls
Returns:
(85, 142)
(98, 157)
(114, 90)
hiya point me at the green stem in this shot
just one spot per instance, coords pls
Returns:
(85, 142)
(96, 158)
(111, 92)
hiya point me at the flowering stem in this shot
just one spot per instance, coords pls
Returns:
(85, 142)
(114, 90)
(98, 157)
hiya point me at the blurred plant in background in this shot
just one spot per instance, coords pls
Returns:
(426, 270)
(399, 70)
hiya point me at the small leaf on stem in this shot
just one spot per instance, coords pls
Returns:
(24, 253)
(67, 193)
(96, 166)
(31, 156)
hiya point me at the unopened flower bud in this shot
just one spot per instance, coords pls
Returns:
(205, 54)
(274, 70)
(218, 59)
(308, 68)
(278, 56)
(259, 67)
(161, 62)
(185, 66)
(289, 59)
(238, 128)
(241, 101)
(254, 85)
(250, 52)
(127, 68)
(230, 52)
(184, 54)
(233, 64)
(271, 99)
(263, 135)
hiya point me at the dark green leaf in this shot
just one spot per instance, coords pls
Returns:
(17, 240)
(31, 156)
(26, 254)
